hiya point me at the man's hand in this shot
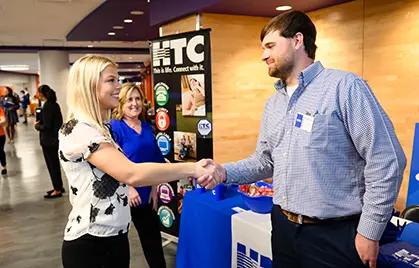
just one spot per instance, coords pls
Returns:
(367, 250)
(215, 174)
(153, 198)
(134, 198)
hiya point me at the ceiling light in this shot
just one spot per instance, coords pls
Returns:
(130, 58)
(137, 12)
(128, 20)
(283, 8)
(121, 78)
(89, 45)
(111, 33)
(14, 67)
(117, 27)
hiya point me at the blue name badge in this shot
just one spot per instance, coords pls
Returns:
(299, 120)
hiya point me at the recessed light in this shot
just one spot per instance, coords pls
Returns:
(128, 20)
(111, 33)
(121, 78)
(130, 70)
(130, 58)
(89, 45)
(137, 12)
(117, 27)
(14, 67)
(283, 8)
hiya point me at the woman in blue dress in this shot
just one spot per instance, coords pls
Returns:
(136, 138)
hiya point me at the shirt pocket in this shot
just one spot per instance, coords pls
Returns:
(319, 135)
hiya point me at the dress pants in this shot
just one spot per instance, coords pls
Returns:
(321, 245)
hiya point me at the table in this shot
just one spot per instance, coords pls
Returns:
(205, 230)
(251, 236)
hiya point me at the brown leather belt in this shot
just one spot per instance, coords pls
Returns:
(301, 219)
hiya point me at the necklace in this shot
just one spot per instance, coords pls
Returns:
(133, 125)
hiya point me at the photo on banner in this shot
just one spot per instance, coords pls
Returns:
(185, 146)
(193, 94)
(183, 186)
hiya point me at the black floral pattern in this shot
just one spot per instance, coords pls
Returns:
(122, 198)
(94, 211)
(68, 127)
(74, 190)
(105, 187)
(62, 157)
(93, 147)
(107, 197)
(109, 210)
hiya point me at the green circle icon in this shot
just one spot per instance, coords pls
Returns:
(161, 94)
(166, 218)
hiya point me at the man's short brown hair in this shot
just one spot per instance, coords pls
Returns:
(290, 23)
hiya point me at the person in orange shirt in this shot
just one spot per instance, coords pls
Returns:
(2, 142)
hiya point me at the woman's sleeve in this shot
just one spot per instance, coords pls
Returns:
(79, 140)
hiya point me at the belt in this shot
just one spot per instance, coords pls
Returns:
(301, 219)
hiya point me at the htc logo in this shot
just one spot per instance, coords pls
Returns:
(162, 51)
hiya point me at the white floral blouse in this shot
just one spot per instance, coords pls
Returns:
(100, 203)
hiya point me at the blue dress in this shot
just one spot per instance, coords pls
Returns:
(139, 148)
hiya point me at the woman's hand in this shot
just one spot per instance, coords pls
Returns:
(134, 198)
(205, 168)
(153, 198)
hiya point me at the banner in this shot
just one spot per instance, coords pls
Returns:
(413, 191)
(181, 68)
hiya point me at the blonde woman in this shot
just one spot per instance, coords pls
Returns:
(136, 138)
(98, 172)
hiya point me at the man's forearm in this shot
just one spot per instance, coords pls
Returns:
(249, 170)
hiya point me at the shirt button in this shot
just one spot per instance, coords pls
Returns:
(289, 111)
(288, 132)
(285, 154)
(284, 198)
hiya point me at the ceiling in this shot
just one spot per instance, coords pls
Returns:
(82, 26)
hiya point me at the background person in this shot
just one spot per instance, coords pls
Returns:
(48, 126)
(136, 138)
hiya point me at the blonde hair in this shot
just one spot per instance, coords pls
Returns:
(124, 94)
(82, 98)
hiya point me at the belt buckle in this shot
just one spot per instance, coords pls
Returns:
(300, 219)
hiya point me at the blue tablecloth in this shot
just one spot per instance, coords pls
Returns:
(401, 253)
(205, 230)
(411, 233)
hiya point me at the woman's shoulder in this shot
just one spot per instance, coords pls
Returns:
(76, 126)
(79, 138)
(116, 124)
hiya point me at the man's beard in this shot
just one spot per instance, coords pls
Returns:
(282, 70)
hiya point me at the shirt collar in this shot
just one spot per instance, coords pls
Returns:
(304, 77)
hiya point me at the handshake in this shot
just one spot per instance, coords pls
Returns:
(209, 174)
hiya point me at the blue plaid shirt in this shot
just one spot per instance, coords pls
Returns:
(350, 163)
